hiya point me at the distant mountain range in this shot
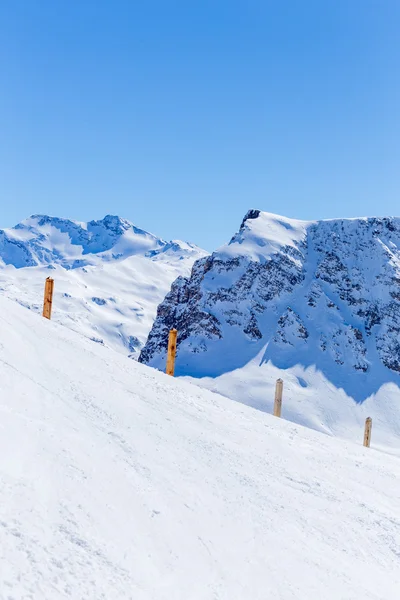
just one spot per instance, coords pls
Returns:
(44, 240)
(110, 275)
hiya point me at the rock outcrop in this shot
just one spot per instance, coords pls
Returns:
(324, 293)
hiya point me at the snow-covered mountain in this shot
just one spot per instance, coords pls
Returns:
(44, 240)
(118, 482)
(320, 300)
(109, 275)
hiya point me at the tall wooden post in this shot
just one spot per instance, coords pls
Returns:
(48, 297)
(278, 398)
(367, 432)
(171, 352)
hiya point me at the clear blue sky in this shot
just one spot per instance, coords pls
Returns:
(181, 115)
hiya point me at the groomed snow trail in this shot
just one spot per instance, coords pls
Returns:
(118, 482)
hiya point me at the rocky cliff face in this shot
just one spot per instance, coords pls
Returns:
(323, 293)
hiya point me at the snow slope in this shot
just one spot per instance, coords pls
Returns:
(311, 400)
(118, 482)
(316, 303)
(109, 275)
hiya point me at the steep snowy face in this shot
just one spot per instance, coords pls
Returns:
(109, 275)
(323, 293)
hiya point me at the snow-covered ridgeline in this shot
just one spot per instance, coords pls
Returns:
(44, 240)
(319, 301)
(109, 275)
(327, 291)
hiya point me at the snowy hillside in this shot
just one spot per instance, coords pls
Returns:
(118, 482)
(109, 275)
(318, 300)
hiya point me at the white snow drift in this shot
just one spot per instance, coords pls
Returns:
(118, 482)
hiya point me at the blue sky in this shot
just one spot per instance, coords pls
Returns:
(181, 115)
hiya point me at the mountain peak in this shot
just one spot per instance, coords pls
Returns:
(253, 213)
(43, 239)
(262, 233)
(114, 223)
(321, 293)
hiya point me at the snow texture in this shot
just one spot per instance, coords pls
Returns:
(109, 275)
(118, 482)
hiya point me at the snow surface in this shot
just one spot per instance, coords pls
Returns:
(259, 238)
(311, 400)
(109, 275)
(118, 482)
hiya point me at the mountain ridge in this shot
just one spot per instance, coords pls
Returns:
(323, 293)
(43, 239)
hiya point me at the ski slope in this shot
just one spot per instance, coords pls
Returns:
(118, 482)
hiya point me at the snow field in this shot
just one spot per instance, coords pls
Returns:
(118, 482)
(311, 400)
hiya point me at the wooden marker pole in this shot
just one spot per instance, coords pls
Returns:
(367, 432)
(278, 398)
(171, 352)
(48, 297)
